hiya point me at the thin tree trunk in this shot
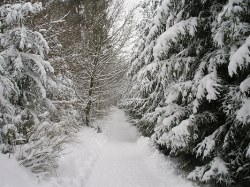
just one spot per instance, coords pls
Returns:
(89, 104)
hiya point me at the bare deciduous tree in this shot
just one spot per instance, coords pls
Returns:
(99, 65)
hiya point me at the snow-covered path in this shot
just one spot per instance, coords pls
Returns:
(128, 161)
(119, 157)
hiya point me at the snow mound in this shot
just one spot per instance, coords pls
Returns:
(14, 175)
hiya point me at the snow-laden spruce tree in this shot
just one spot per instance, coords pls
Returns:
(193, 93)
(145, 92)
(228, 145)
(159, 64)
(33, 124)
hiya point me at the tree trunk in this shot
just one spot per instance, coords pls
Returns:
(89, 104)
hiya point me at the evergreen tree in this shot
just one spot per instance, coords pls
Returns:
(191, 86)
(229, 142)
(33, 128)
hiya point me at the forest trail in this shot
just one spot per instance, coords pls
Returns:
(119, 157)
(127, 161)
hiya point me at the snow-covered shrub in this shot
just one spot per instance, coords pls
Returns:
(216, 171)
(33, 123)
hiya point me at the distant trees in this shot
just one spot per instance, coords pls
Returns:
(92, 35)
(99, 68)
(190, 90)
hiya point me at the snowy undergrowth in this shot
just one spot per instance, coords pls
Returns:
(74, 165)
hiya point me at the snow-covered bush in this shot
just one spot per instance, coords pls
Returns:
(33, 123)
(216, 171)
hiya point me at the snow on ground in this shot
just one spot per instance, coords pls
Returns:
(128, 161)
(79, 159)
(119, 157)
(12, 175)
(74, 165)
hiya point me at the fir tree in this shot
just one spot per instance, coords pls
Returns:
(33, 128)
(191, 86)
